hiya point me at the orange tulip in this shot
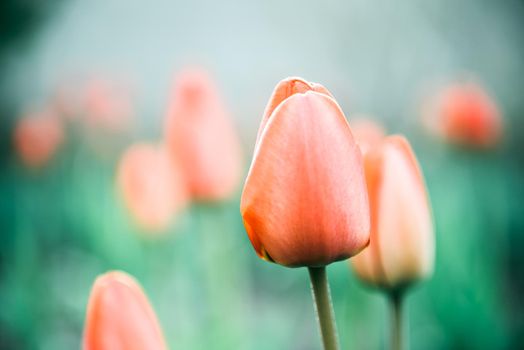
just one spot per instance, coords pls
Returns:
(119, 316)
(151, 186)
(200, 135)
(402, 246)
(465, 114)
(37, 137)
(367, 132)
(304, 201)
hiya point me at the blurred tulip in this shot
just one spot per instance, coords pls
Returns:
(367, 132)
(37, 137)
(200, 135)
(305, 201)
(107, 106)
(119, 316)
(65, 99)
(151, 186)
(465, 114)
(402, 245)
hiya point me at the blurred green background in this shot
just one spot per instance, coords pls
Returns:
(63, 224)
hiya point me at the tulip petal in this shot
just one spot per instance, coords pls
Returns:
(285, 89)
(304, 201)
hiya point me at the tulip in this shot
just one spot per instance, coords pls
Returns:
(402, 246)
(465, 114)
(367, 132)
(65, 100)
(151, 186)
(37, 137)
(119, 316)
(201, 137)
(304, 202)
(107, 106)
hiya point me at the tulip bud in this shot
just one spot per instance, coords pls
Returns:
(151, 186)
(402, 247)
(119, 316)
(466, 115)
(305, 202)
(201, 136)
(37, 137)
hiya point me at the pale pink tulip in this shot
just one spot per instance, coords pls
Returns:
(402, 247)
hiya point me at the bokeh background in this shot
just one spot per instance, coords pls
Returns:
(64, 223)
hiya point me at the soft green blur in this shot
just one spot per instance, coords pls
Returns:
(64, 224)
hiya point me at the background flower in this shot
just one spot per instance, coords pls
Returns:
(37, 137)
(201, 137)
(151, 186)
(402, 245)
(119, 316)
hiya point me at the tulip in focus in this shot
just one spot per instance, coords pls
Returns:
(465, 114)
(37, 137)
(367, 132)
(151, 186)
(120, 317)
(402, 246)
(304, 201)
(201, 137)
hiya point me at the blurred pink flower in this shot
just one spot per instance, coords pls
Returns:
(151, 186)
(465, 114)
(37, 137)
(201, 136)
(66, 101)
(107, 105)
(119, 316)
(402, 246)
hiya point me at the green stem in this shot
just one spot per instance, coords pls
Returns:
(324, 308)
(396, 302)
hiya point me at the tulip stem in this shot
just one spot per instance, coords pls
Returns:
(324, 308)
(396, 302)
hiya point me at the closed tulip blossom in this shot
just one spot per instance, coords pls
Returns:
(304, 201)
(151, 186)
(37, 137)
(465, 114)
(120, 317)
(201, 136)
(402, 246)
